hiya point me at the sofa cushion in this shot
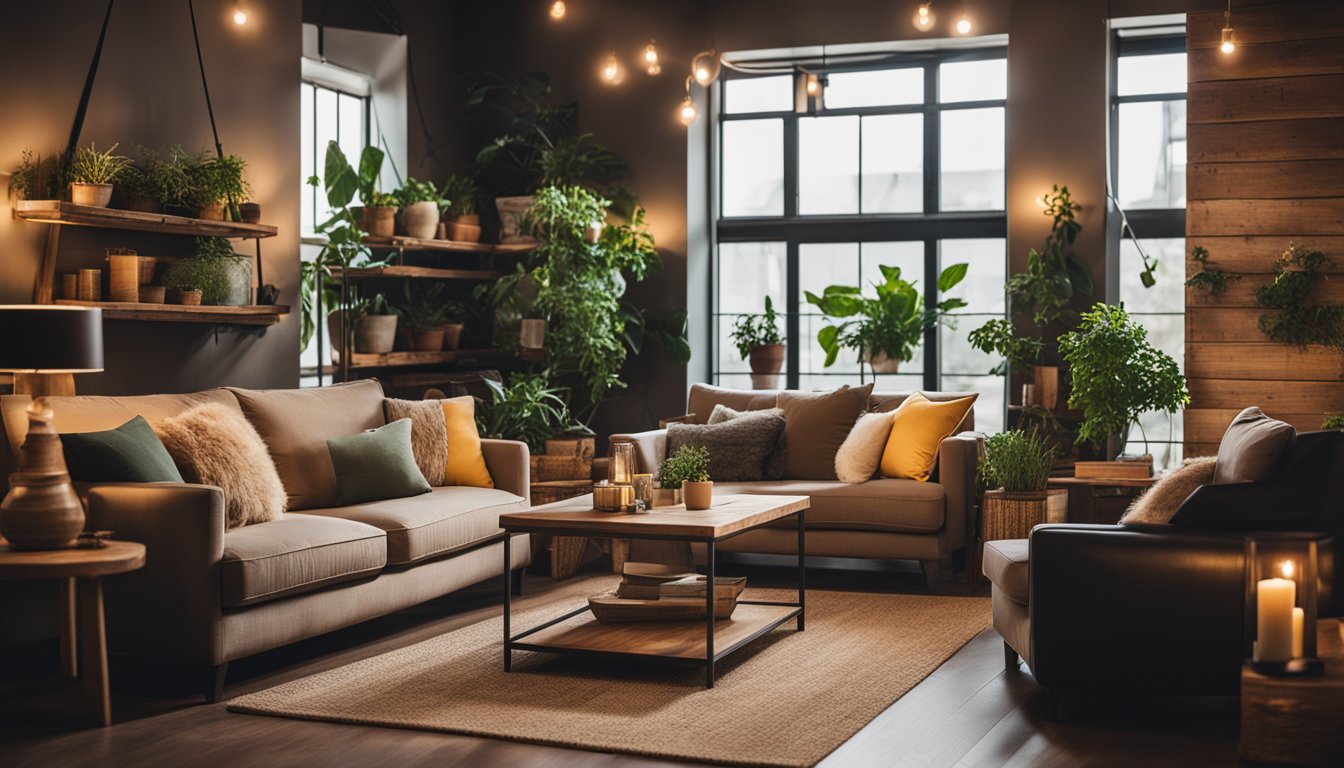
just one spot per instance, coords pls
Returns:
(1251, 448)
(703, 397)
(297, 554)
(131, 453)
(896, 506)
(918, 428)
(738, 448)
(420, 527)
(1005, 564)
(466, 460)
(376, 465)
(93, 413)
(886, 402)
(816, 425)
(429, 434)
(296, 424)
(777, 462)
(214, 445)
(860, 454)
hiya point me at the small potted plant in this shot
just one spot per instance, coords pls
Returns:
(379, 217)
(421, 205)
(424, 312)
(758, 339)
(37, 177)
(218, 187)
(454, 314)
(92, 174)
(684, 475)
(376, 330)
(1019, 353)
(463, 223)
(189, 297)
(1016, 471)
(170, 181)
(222, 277)
(137, 190)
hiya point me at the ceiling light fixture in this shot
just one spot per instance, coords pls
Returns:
(1229, 44)
(964, 22)
(813, 84)
(924, 18)
(558, 10)
(687, 113)
(239, 15)
(651, 64)
(705, 67)
(611, 69)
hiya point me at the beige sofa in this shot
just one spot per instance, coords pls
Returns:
(208, 595)
(878, 519)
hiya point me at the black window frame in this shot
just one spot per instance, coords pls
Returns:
(319, 152)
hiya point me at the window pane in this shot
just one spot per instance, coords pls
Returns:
(351, 128)
(989, 407)
(1168, 294)
(874, 89)
(307, 149)
(326, 132)
(1160, 73)
(973, 80)
(1151, 158)
(828, 165)
(893, 164)
(972, 160)
(820, 265)
(982, 290)
(758, 94)
(748, 272)
(753, 168)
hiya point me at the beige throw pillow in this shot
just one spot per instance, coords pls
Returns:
(860, 454)
(1158, 504)
(1251, 447)
(429, 437)
(815, 425)
(214, 445)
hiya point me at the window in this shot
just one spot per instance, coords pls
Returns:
(898, 164)
(1148, 171)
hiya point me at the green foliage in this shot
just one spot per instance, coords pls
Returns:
(1017, 460)
(526, 409)
(689, 464)
(419, 192)
(1211, 280)
(893, 323)
(751, 331)
(382, 200)
(38, 178)
(369, 172)
(208, 271)
(464, 194)
(1055, 274)
(1299, 320)
(218, 180)
(1116, 374)
(423, 306)
(89, 166)
(998, 337)
(1333, 421)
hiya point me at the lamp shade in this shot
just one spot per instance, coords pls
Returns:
(50, 339)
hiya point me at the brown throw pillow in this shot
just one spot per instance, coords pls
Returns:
(776, 463)
(816, 425)
(1158, 504)
(738, 449)
(429, 437)
(1251, 448)
(214, 445)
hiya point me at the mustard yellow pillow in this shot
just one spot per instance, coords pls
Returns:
(466, 463)
(917, 427)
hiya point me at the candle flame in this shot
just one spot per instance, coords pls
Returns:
(1287, 569)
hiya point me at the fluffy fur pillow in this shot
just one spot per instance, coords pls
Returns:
(1158, 504)
(738, 449)
(860, 454)
(429, 436)
(215, 445)
(777, 461)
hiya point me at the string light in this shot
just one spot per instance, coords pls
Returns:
(813, 84)
(611, 69)
(687, 113)
(924, 18)
(651, 64)
(239, 15)
(558, 10)
(964, 22)
(1229, 44)
(705, 67)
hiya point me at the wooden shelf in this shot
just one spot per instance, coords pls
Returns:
(401, 359)
(178, 313)
(69, 214)
(676, 639)
(403, 243)
(424, 273)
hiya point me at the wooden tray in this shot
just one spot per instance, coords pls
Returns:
(610, 609)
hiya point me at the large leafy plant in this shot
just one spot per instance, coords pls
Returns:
(1117, 375)
(891, 323)
(1054, 274)
(527, 408)
(219, 180)
(999, 337)
(751, 331)
(1017, 460)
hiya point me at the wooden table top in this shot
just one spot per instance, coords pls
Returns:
(115, 557)
(1112, 482)
(730, 514)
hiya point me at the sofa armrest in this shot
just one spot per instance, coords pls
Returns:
(650, 448)
(171, 607)
(1152, 609)
(509, 463)
(958, 473)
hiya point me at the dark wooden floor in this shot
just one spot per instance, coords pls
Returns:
(970, 712)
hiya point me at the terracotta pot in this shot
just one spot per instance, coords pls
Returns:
(96, 195)
(470, 219)
(512, 212)
(452, 335)
(880, 363)
(191, 298)
(147, 265)
(212, 212)
(426, 339)
(152, 294)
(422, 220)
(376, 334)
(767, 358)
(1046, 379)
(135, 201)
(698, 494)
(380, 221)
(666, 497)
(250, 212)
(463, 233)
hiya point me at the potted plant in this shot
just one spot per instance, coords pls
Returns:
(37, 177)
(454, 315)
(190, 297)
(92, 174)
(1054, 274)
(379, 216)
(424, 312)
(684, 475)
(217, 187)
(170, 178)
(463, 223)
(376, 328)
(421, 205)
(1019, 353)
(527, 408)
(137, 190)
(889, 326)
(1116, 375)
(223, 277)
(758, 339)
(1016, 470)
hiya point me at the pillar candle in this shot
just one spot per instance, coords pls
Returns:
(1274, 619)
(1299, 620)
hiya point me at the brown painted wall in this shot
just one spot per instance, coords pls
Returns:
(1266, 154)
(148, 92)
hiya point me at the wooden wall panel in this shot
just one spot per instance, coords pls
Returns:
(1288, 218)
(1287, 59)
(1261, 360)
(1288, 179)
(1272, 98)
(1275, 21)
(1303, 139)
(1257, 254)
(1207, 425)
(1240, 292)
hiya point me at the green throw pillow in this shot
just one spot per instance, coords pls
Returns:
(376, 465)
(131, 453)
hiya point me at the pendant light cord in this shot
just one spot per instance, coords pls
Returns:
(83, 109)
(200, 62)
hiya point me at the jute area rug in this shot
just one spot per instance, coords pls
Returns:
(789, 699)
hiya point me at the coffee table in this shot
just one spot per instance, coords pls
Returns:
(681, 643)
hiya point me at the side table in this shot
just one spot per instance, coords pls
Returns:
(83, 636)
(1100, 500)
(1296, 720)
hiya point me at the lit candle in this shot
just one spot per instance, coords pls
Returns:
(1299, 620)
(1274, 617)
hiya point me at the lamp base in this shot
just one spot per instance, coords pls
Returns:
(1291, 668)
(42, 510)
(44, 384)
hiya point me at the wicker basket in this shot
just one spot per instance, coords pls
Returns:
(1012, 514)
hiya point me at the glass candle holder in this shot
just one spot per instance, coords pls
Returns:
(621, 465)
(1282, 574)
(644, 488)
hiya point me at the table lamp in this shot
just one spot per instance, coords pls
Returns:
(42, 346)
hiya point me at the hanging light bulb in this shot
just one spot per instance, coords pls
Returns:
(1229, 44)
(963, 25)
(705, 67)
(651, 64)
(239, 15)
(611, 69)
(924, 18)
(813, 84)
(687, 114)
(558, 10)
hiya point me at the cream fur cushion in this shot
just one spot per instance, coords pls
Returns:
(215, 445)
(861, 453)
(1158, 504)
(429, 435)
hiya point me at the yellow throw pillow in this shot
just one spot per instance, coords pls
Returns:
(918, 426)
(466, 463)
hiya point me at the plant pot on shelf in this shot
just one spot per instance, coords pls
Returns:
(123, 280)
(766, 358)
(462, 231)
(189, 297)
(512, 212)
(531, 333)
(880, 363)
(96, 195)
(211, 212)
(136, 201)
(666, 497)
(376, 334)
(452, 335)
(422, 220)
(147, 267)
(698, 494)
(238, 274)
(152, 294)
(1046, 380)
(1012, 514)
(250, 212)
(379, 221)
(426, 339)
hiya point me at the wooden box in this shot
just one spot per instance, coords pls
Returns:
(1114, 470)
(547, 468)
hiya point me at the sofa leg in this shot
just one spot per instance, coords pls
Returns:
(1010, 658)
(214, 682)
(518, 576)
(930, 573)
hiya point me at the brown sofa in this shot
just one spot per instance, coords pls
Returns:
(883, 518)
(208, 595)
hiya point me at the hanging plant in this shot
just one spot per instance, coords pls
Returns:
(1210, 280)
(1055, 274)
(1299, 321)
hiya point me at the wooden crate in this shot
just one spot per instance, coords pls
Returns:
(583, 447)
(551, 468)
(548, 491)
(1113, 470)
